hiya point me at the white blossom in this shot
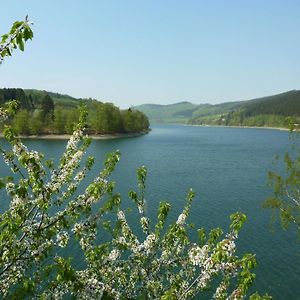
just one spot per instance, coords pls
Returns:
(121, 215)
(10, 188)
(78, 228)
(79, 176)
(62, 239)
(140, 208)
(197, 255)
(181, 219)
(220, 290)
(113, 255)
(19, 148)
(144, 223)
(148, 244)
(16, 201)
(228, 246)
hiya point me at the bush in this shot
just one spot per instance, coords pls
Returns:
(46, 213)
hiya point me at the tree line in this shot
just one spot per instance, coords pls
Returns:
(238, 118)
(41, 115)
(274, 111)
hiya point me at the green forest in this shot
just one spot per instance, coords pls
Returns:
(273, 111)
(43, 112)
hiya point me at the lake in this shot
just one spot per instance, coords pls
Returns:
(227, 167)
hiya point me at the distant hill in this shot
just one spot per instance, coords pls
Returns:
(266, 111)
(183, 112)
(173, 113)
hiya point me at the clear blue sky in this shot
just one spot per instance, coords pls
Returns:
(156, 51)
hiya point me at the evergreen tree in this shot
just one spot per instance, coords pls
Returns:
(47, 107)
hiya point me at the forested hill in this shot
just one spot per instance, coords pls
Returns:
(44, 112)
(271, 111)
(173, 113)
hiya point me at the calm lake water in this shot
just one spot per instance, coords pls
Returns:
(227, 167)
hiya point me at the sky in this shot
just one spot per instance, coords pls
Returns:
(131, 52)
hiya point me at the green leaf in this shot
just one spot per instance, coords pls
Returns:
(27, 34)
(237, 221)
(21, 44)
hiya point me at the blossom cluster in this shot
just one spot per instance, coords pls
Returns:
(47, 213)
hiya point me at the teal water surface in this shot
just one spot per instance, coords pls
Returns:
(227, 167)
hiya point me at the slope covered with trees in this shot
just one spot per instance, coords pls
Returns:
(276, 110)
(172, 113)
(43, 112)
(182, 112)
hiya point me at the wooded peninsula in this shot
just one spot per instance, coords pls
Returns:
(46, 113)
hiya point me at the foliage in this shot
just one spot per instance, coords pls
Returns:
(10, 94)
(16, 38)
(284, 104)
(60, 100)
(46, 213)
(173, 113)
(59, 115)
(286, 190)
(134, 120)
(47, 108)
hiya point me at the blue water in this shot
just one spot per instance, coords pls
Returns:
(227, 167)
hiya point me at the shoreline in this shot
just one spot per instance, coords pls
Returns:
(251, 127)
(92, 136)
